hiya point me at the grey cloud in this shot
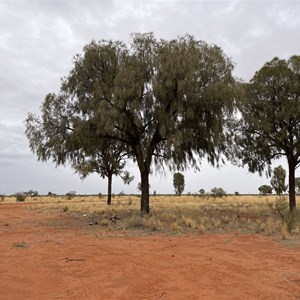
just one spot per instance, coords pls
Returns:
(39, 38)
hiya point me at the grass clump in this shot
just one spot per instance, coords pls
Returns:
(20, 245)
(134, 222)
(65, 209)
(290, 219)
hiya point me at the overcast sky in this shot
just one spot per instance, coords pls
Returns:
(39, 38)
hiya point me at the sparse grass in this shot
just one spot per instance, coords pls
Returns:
(20, 245)
(170, 214)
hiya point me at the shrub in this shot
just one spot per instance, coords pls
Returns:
(71, 195)
(236, 193)
(20, 197)
(291, 219)
(218, 192)
(121, 194)
(2, 196)
(65, 208)
(20, 245)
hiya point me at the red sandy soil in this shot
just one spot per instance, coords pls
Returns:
(61, 258)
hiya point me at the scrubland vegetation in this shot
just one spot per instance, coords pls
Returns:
(178, 214)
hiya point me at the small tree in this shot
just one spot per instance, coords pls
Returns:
(278, 180)
(178, 183)
(107, 160)
(202, 192)
(71, 195)
(265, 189)
(20, 197)
(218, 192)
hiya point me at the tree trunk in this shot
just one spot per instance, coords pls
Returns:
(145, 209)
(109, 189)
(292, 194)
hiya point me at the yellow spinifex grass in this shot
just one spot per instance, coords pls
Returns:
(170, 213)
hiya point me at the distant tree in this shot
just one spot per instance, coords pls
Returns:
(71, 195)
(32, 193)
(217, 192)
(107, 160)
(270, 119)
(178, 183)
(278, 180)
(202, 192)
(297, 184)
(236, 193)
(166, 102)
(265, 189)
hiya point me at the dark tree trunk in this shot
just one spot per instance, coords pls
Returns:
(145, 208)
(292, 194)
(109, 177)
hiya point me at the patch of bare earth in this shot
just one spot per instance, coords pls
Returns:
(50, 256)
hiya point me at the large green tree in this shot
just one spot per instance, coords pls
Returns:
(270, 119)
(166, 102)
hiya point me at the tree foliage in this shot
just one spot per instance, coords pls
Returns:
(265, 189)
(166, 103)
(106, 160)
(297, 185)
(178, 183)
(278, 180)
(270, 119)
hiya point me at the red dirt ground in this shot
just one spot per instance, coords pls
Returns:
(50, 256)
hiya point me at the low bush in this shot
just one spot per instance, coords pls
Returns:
(71, 195)
(217, 192)
(20, 197)
(291, 219)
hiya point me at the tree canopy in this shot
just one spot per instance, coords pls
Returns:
(265, 189)
(178, 183)
(270, 119)
(278, 180)
(167, 103)
(107, 160)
